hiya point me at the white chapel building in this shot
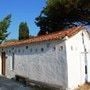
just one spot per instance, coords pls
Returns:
(61, 58)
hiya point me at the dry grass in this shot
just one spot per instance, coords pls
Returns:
(84, 87)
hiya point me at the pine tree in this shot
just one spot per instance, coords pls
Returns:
(23, 31)
(4, 24)
(59, 14)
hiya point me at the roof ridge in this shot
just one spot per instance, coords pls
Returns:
(48, 37)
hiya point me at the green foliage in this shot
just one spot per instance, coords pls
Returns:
(23, 31)
(4, 24)
(59, 14)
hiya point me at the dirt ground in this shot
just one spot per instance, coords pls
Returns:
(84, 87)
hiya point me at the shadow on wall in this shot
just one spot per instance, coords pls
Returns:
(34, 85)
(46, 88)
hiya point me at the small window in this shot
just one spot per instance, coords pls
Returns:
(42, 49)
(61, 47)
(82, 34)
(19, 50)
(2, 49)
(54, 48)
(71, 47)
(13, 48)
(26, 47)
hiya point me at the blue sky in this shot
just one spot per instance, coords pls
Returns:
(21, 10)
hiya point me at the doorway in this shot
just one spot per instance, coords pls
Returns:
(3, 57)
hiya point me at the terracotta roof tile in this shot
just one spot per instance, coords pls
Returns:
(53, 36)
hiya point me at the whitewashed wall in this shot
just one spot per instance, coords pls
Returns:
(76, 59)
(87, 44)
(48, 65)
(88, 66)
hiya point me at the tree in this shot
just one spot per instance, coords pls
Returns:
(4, 24)
(59, 14)
(23, 31)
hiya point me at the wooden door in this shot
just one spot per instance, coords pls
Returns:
(3, 63)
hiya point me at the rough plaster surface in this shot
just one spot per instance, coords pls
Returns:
(76, 59)
(59, 62)
(48, 65)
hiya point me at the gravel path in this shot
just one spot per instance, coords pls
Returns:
(7, 84)
(10, 84)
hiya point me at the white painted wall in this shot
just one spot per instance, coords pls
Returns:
(88, 66)
(49, 65)
(76, 59)
(88, 62)
(87, 45)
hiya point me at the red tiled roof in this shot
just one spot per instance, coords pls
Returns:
(53, 36)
